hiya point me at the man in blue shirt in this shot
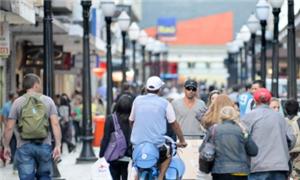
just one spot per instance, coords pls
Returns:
(244, 99)
(149, 116)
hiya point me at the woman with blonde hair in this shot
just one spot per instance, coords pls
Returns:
(233, 147)
(212, 116)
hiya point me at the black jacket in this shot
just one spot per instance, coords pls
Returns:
(109, 128)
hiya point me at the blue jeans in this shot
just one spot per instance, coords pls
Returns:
(269, 175)
(34, 161)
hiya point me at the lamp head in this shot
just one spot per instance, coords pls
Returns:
(108, 7)
(253, 24)
(134, 31)
(123, 21)
(143, 38)
(262, 10)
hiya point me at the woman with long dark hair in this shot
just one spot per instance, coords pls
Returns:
(118, 168)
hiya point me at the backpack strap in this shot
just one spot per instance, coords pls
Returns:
(116, 122)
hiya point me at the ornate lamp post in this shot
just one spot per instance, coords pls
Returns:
(253, 25)
(245, 37)
(149, 48)
(87, 153)
(48, 66)
(143, 38)
(239, 44)
(134, 32)
(233, 49)
(262, 12)
(108, 8)
(276, 5)
(124, 21)
(157, 49)
(292, 66)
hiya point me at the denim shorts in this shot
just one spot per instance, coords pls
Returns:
(34, 161)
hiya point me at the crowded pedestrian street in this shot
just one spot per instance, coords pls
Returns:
(149, 89)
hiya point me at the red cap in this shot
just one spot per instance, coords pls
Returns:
(262, 95)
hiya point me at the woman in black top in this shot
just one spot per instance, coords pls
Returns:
(118, 168)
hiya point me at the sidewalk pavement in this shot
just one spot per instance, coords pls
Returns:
(68, 168)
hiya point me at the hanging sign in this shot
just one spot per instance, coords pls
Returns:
(4, 40)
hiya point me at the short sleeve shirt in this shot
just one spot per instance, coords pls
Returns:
(170, 113)
(15, 114)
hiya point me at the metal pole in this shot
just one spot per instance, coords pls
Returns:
(275, 54)
(241, 67)
(292, 68)
(87, 153)
(109, 92)
(157, 63)
(133, 62)
(246, 62)
(150, 64)
(253, 72)
(48, 66)
(143, 62)
(263, 65)
(124, 79)
(235, 64)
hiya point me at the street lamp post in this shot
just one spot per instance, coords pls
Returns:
(108, 8)
(48, 66)
(292, 66)
(233, 49)
(124, 21)
(157, 47)
(87, 153)
(134, 31)
(149, 48)
(276, 4)
(262, 12)
(143, 38)
(240, 44)
(245, 37)
(253, 25)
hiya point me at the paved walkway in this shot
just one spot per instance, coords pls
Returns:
(68, 168)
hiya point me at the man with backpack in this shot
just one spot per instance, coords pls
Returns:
(32, 114)
(292, 108)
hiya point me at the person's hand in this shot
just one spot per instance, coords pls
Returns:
(56, 153)
(182, 144)
(7, 154)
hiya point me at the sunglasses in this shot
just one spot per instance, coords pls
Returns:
(191, 89)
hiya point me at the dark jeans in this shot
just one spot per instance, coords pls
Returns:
(269, 175)
(118, 170)
(228, 177)
(77, 130)
(34, 161)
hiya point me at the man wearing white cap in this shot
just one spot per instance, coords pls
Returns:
(149, 116)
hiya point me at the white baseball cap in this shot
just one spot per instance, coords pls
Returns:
(154, 83)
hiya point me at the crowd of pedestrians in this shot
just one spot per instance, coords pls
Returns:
(255, 135)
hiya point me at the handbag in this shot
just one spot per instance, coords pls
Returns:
(207, 152)
(117, 145)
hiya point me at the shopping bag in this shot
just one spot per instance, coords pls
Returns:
(100, 170)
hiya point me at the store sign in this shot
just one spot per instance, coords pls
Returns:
(4, 40)
(166, 27)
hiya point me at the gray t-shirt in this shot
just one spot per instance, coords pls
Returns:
(186, 117)
(15, 114)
